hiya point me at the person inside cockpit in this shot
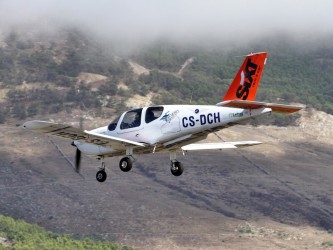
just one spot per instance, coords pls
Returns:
(136, 121)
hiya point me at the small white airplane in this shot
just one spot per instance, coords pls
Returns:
(171, 128)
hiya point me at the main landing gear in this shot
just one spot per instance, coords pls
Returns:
(176, 166)
(126, 163)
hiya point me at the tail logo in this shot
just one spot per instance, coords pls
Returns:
(246, 81)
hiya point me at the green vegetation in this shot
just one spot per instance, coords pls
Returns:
(293, 74)
(327, 244)
(245, 230)
(26, 236)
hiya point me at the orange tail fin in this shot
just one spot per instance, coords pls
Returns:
(246, 82)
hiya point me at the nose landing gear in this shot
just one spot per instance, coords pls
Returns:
(101, 174)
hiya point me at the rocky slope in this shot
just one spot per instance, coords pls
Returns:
(277, 195)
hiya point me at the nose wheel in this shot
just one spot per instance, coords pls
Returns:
(101, 174)
(177, 168)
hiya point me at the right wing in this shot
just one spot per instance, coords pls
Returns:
(219, 145)
(71, 133)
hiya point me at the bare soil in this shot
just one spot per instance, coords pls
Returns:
(277, 195)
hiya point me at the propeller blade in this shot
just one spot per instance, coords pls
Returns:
(77, 160)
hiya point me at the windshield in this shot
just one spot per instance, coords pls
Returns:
(112, 126)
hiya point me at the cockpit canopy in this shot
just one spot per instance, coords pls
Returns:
(152, 113)
(132, 118)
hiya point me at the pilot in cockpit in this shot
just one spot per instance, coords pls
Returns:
(137, 120)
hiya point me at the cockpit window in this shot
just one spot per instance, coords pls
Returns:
(131, 119)
(153, 113)
(112, 126)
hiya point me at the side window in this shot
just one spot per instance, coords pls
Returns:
(131, 119)
(153, 113)
(112, 126)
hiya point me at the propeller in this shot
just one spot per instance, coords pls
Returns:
(77, 163)
(77, 160)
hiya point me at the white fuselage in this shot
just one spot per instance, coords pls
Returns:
(172, 124)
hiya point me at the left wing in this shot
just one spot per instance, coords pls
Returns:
(71, 133)
(219, 145)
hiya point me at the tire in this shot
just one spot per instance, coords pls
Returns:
(125, 164)
(177, 168)
(101, 176)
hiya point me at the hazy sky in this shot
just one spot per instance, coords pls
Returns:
(135, 20)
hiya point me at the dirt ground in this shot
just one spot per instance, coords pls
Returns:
(277, 195)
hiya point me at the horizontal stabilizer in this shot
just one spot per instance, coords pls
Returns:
(280, 108)
(219, 145)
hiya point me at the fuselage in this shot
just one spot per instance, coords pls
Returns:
(169, 125)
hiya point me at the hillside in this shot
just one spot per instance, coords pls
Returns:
(21, 235)
(43, 75)
(277, 195)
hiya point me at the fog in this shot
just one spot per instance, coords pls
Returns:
(140, 21)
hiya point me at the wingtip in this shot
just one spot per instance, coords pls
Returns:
(35, 124)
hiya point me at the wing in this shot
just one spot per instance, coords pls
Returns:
(219, 145)
(71, 133)
(280, 108)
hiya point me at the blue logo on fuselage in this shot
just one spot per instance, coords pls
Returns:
(165, 117)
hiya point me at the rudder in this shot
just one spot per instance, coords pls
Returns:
(247, 80)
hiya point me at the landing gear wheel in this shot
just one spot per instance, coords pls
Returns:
(101, 176)
(177, 168)
(125, 164)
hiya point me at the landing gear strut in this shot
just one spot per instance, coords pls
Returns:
(101, 174)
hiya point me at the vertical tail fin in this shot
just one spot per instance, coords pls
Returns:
(246, 82)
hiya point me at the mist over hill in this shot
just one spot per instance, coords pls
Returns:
(43, 73)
